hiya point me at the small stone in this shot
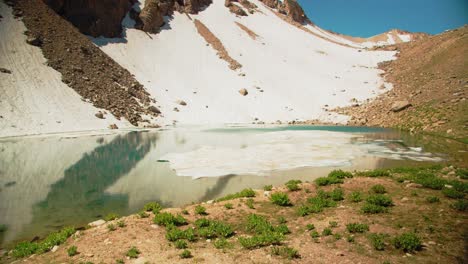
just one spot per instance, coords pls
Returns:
(154, 109)
(181, 102)
(99, 115)
(97, 223)
(404, 199)
(113, 126)
(266, 193)
(210, 202)
(431, 243)
(3, 70)
(340, 254)
(400, 106)
(414, 185)
(34, 41)
(448, 186)
(243, 92)
(89, 255)
(55, 248)
(208, 240)
(154, 226)
(176, 109)
(408, 255)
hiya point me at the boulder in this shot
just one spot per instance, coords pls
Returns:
(154, 109)
(243, 92)
(99, 115)
(93, 17)
(3, 70)
(400, 106)
(181, 102)
(97, 223)
(152, 16)
(34, 40)
(270, 3)
(294, 11)
(113, 126)
(237, 10)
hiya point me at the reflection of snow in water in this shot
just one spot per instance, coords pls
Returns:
(284, 150)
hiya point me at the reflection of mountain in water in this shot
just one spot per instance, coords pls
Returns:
(80, 196)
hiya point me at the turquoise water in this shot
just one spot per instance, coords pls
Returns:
(50, 182)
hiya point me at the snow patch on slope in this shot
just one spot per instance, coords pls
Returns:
(33, 98)
(290, 74)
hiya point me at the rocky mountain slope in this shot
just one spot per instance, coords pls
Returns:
(160, 62)
(430, 84)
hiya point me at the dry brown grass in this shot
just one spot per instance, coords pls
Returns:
(216, 44)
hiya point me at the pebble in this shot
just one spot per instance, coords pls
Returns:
(448, 186)
(55, 248)
(340, 253)
(89, 255)
(210, 202)
(97, 223)
(404, 199)
(154, 226)
(266, 193)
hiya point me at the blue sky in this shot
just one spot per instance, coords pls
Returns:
(365, 18)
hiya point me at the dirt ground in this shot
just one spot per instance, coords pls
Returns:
(442, 230)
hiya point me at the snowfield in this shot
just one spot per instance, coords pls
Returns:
(33, 98)
(290, 74)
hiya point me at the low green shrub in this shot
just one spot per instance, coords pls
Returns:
(333, 224)
(111, 227)
(168, 219)
(452, 193)
(173, 234)
(380, 199)
(186, 254)
(310, 227)
(24, 249)
(460, 205)
(244, 193)
(409, 242)
(337, 194)
(280, 199)
(317, 203)
(337, 236)
(379, 189)
(212, 228)
(143, 214)
(72, 251)
(133, 252)
(250, 203)
(282, 220)
(369, 208)
(153, 207)
(185, 212)
(324, 181)
(350, 238)
(355, 197)
(285, 252)
(375, 173)
(357, 228)
(314, 234)
(180, 244)
(262, 240)
(293, 185)
(200, 210)
(121, 223)
(377, 241)
(327, 232)
(340, 174)
(267, 187)
(222, 243)
(228, 206)
(462, 173)
(111, 216)
(265, 233)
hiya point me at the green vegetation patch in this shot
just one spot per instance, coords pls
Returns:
(153, 207)
(200, 210)
(212, 228)
(280, 199)
(72, 251)
(285, 252)
(355, 197)
(357, 228)
(293, 185)
(452, 193)
(244, 193)
(133, 252)
(377, 241)
(185, 254)
(168, 219)
(321, 201)
(264, 233)
(24, 249)
(379, 189)
(409, 242)
(375, 173)
(111, 216)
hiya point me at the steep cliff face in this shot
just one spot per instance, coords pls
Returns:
(290, 8)
(93, 17)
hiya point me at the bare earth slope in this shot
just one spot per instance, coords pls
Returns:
(431, 75)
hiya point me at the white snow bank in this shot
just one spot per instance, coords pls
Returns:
(290, 74)
(33, 99)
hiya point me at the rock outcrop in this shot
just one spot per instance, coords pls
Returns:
(93, 17)
(290, 8)
(152, 15)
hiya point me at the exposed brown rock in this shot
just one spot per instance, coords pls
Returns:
(3, 70)
(84, 67)
(93, 17)
(400, 106)
(152, 15)
(243, 92)
(237, 10)
(251, 34)
(99, 115)
(290, 8)
(216, 44)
